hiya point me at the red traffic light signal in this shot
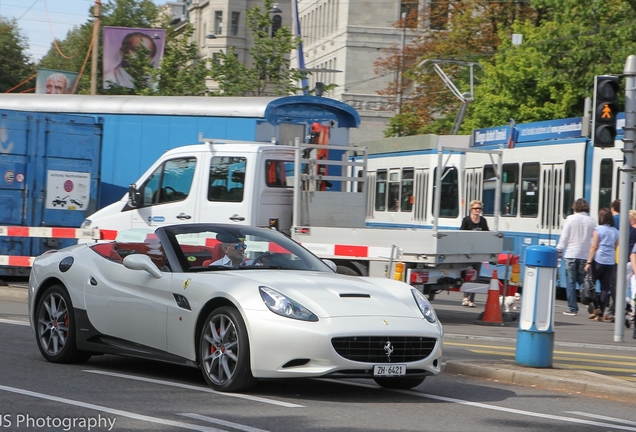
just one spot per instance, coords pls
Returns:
(604, 110)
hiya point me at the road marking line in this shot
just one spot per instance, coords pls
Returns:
(114, 411)
(222, 422)
(14, 322)
(556, 343)
(600, 417)
(517, 411)
(566, 358)
(197, 388)
(490, 407)
(555, 352)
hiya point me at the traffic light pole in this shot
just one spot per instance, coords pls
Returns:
(626, 187)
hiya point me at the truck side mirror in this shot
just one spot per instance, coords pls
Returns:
(134, 196)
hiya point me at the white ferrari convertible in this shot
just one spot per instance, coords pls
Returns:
(241, 303)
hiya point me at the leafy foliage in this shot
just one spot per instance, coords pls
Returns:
(268, 71)
(15, 66)
(565, 44)
(182, 71)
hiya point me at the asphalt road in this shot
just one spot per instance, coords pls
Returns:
(125, 394)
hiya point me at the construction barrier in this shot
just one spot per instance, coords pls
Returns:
(48, 232)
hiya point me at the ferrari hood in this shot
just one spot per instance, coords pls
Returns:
(327, 294)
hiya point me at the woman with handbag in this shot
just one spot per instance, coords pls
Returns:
(601, 260)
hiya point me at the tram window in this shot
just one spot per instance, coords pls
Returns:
(569, 178)
(449, 203)
(394, 191)
(530, 189)
(380, 191)
(406, 200)
(509, 190)
(605, 183)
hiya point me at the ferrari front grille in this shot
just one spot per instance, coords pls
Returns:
(384, 349)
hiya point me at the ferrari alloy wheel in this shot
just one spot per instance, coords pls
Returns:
(398, 383)
(55, 330)
(224, 352)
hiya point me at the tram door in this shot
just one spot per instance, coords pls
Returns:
(552, 182)
(473, 178)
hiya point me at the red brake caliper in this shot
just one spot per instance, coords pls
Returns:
(212, 347)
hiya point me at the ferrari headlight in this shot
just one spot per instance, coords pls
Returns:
(424, 305)
(282, 305)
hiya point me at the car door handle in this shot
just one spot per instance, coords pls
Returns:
(184, 216)
(237, 218)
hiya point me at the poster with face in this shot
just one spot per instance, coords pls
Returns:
(121, 43)
(50, 81)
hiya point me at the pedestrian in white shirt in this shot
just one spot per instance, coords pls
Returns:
(574, 246)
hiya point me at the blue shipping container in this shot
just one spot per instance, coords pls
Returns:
(50, 168)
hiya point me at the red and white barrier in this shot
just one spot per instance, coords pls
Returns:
(47, 232)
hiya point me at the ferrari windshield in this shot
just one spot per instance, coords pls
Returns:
(211, 247)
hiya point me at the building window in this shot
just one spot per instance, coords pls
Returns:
(277, 22)
(218, 22)
(605, 183)
(449, 202)
(439, 15)
(529, 201)
(408, 8)
(235, 23)
(509, 190)
(569, 182)
(380, 191)
(407, 199)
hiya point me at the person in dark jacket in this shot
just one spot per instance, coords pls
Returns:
(473, 222)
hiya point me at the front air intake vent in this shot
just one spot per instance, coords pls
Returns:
(374, 349)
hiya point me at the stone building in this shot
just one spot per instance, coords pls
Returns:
(341, 41)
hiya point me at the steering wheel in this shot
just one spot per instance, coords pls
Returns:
(170, 193)
(261, 256)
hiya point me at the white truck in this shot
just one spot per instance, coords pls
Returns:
(319, 202)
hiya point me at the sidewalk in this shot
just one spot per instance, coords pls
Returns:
(573, 331)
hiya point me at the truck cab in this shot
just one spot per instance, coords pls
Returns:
(244, 183)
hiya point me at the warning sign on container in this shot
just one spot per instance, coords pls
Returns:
(67, 190)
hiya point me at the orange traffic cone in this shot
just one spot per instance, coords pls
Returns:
(492, 313)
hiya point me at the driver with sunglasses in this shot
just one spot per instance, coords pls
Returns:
(234, 253)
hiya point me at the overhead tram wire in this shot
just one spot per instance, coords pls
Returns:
(48, 21)
(20, 17)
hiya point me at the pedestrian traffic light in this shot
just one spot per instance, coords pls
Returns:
(604, 110)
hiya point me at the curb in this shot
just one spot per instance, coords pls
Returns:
(557, 379)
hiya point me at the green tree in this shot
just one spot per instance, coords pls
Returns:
(268, 69)
(181, 72)
(552, 72)
(15, 66)
(70, 54)
(470, 31)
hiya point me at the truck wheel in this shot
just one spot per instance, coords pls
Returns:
(346, 271)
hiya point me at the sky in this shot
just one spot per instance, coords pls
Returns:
(40, 28)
